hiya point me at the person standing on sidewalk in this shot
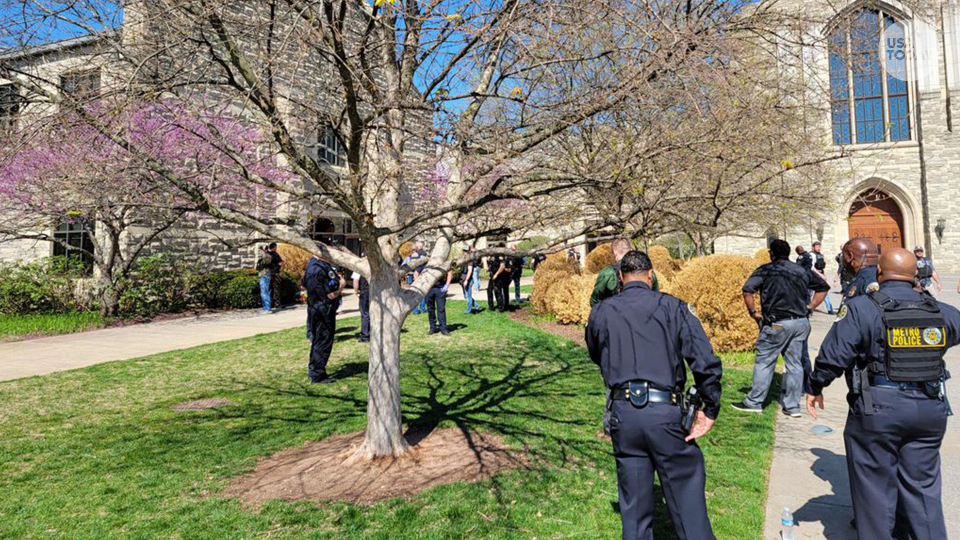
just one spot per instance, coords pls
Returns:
(437, 305)
(889, 345)
(645, 418)
(819, 267)
(265, 272)
(784, 326)
(516, 272)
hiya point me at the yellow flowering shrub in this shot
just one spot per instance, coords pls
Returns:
(569, 299)
(762, 256)
(664, 265)
(294, 260)
(600, 258)
(712, 285)
(560, 261)
(543, 281)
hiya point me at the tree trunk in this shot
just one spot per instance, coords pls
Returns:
(108, 294)
(388, 310)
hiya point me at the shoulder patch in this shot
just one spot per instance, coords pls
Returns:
(873, 287)
(692, 310)
(842, 314)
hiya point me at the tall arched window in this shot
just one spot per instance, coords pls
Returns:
(869, 96)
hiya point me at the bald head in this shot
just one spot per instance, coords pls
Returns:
(620, 247)
(860, 252)
(897, 264)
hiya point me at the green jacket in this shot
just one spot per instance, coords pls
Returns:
(608, 283)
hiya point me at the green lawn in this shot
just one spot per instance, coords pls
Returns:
(97, 453)
(14, 326)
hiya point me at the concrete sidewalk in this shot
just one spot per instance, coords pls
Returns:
(59, 353)
(809, 472)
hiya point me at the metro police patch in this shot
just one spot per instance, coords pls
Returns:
(331, 274)
(873, 287)
(842, 313)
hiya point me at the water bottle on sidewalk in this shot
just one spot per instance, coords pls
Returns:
(786, 525)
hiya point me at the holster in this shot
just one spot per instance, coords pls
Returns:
(861, 386)
(639, 393)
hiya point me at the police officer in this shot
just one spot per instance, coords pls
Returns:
(640, 339)
(926, 273)
(890, 346)
(860, 257)
(324, 288)
(804, 259)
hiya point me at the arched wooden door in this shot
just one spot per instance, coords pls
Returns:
(876, 216)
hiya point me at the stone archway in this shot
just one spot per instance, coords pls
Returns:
(876, 215)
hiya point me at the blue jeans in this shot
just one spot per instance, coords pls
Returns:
(476, 277)
(789, 338)
(265, 293)
(468, 295)
(516, 285)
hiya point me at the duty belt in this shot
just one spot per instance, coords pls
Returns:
(654, 395)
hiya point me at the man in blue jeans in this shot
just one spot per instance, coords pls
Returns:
(265, 269)
(784, 326)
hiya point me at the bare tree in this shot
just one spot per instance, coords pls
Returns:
(354, 99)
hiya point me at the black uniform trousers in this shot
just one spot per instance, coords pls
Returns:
(502, 292)
(893, 459)
(437, 309)
(323, 327)
(651, 439)
(365, 314)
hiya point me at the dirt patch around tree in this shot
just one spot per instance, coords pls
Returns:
(322, 471)
(572, 332)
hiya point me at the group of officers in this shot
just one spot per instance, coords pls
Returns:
(888, 342)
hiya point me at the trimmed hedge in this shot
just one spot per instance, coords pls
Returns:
(762, 256)
(543, 280)
(559, 261)
(712, 285)
(665, 265)
(569, 299)
(600, 258)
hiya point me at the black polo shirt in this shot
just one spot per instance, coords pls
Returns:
(783, 288)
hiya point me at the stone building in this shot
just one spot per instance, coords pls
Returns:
(888, 75)
(91, 64)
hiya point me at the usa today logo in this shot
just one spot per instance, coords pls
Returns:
(895, 52)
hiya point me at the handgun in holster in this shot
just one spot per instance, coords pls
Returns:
(691, 403)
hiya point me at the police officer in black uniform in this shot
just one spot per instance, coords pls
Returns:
(889, 345)
(323, 287)
(640, 339)
(860, 257)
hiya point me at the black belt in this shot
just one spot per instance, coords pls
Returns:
(655, 396)
(883, 382)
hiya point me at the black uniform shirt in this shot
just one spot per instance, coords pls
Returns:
(645, 335)
(857, 337)
(863, 282)
(516, 265)
(783, 288)
(805, 261)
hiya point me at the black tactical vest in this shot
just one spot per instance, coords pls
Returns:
(925, 272)
(916, 339)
